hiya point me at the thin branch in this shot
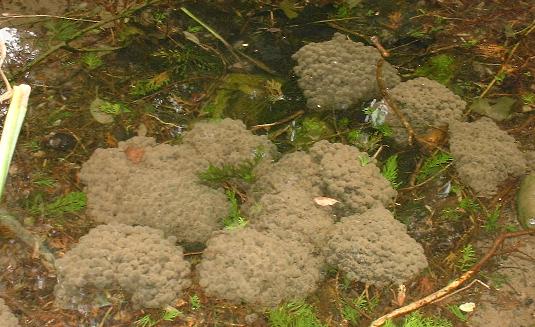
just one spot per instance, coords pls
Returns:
(451, 287)
(389, 101)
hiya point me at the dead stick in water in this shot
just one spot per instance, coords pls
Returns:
(440, 294)
(392, 104)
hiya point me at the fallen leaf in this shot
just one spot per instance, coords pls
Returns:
(467, 307)
(324, 201)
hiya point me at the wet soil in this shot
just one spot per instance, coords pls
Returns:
(163, 71)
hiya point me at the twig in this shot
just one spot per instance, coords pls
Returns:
(507, 60)
(280, 122)
(13, 225)
(463, 289)
(427, 180)
(392, 104)
(375, 41)
(337, 300)
(9, 16)
(105, 317)
(443, 292)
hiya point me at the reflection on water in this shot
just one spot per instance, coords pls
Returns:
(19, 44)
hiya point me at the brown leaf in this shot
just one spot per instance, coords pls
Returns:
(134, 154)
(324, 201)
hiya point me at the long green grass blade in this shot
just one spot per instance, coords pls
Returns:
(10, 133)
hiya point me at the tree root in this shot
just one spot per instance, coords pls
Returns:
(451, 287)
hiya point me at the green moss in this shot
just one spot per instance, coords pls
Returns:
(440, 68)
(310, 130)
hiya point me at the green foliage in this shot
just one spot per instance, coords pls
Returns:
(195, 302)
(151, 85)
(354, 136)
(69, 203)
(170, 313)
(528, 98)
(491, 223)
(384, 130)
(145, 321)
(43, 181)
(457, 312)
(113, 108)
(91, 61)
(187, 60)
(415, 319)
(294, 314)
(364, 141)
(390, 170)
(310, 130)
(160, 17)
(216, 176)
(497, 280)
(440, 68)
(469, 205)
(468, 258)
(433, 165)
(352, 310)
(62, 30)
(234, 219)
(364, 160)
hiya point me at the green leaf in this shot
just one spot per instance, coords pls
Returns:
(289, 8)
(390, 171)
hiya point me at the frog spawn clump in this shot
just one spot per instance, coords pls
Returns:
(138, 260)
(7, 318)
(337, 74)
(282, 209)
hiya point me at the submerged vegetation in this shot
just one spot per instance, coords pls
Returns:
(294, 314)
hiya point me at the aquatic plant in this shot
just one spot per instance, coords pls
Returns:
(432, 165)
(195, 302)
(151, 85)
(217, 175)
(416, 319)
(390, 171)
(294, 314)
(457, 312)
(440, 68)
(91, 61)
(353, 309)
(168, 314)
(234, 218)
(69, 203)
(467, 259)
